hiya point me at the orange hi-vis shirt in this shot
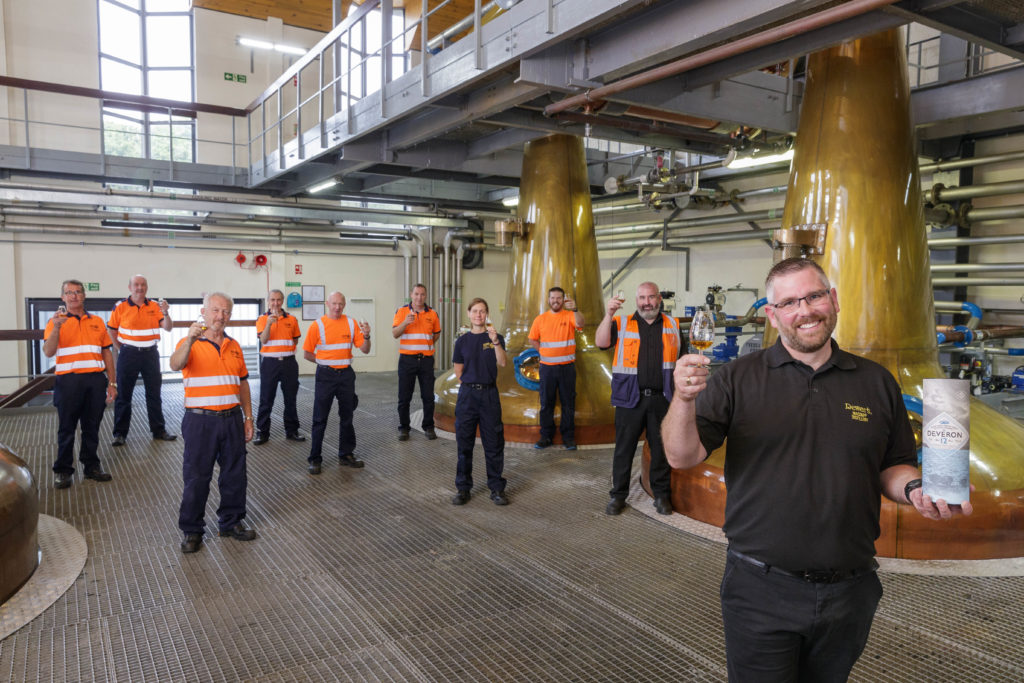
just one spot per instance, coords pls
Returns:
(81, 344)
(213, 374)
(556, 333)
(418, 336)
(284, 335)
(136, 325)
(331, 341)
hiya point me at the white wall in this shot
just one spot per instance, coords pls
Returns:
(217, 52)
(53, 41)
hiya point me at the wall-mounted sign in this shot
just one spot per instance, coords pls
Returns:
(237, 78)
(298, 269)
(92, 286)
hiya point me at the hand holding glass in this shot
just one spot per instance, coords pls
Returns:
(702, 331)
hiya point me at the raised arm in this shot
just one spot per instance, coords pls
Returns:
(679, 435)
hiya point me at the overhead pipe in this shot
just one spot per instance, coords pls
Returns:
(975, 267)
(832, 15)
(977, 282)
(748, 217)
(940, 193)
(993, 213)
(973, 161)
(950, 242)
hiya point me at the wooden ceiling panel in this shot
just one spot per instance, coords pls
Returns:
(316, 14)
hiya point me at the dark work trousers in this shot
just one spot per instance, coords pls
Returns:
(274, 370)
(213, 439)
(79, 399)
(131, 360)
(630, 425)
(782, 628)
(333, 384)
(410, 369)
(560, 379)
(479, 406)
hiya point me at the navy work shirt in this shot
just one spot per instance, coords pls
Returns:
(475, 353)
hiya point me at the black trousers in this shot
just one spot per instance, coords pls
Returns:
(79, 399)
(333, 384)
(410, 369)
(479, 407)
(780, 628)
(213, 439)
(558, 380)
(131, 361)
(630, 425)
(274, 371)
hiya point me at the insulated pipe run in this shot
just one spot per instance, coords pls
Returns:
(975, 267)
(994, 213)
(628, 228)
(36, 229)
(940, 193)
(968, 163)
(448, 312)
(846, 10)
(950, 242)
(977, 282)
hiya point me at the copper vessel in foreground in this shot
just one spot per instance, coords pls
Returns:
(854, 204)
(557, 249)
(19, 518)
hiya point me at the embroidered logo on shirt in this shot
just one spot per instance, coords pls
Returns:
(858, 413)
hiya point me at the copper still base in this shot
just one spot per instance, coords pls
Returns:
(19, 517)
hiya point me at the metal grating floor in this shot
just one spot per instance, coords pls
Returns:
(372, 575)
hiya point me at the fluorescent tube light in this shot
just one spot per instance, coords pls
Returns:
(258, 44)
(751, 162)
(323, 186)
(510, 201)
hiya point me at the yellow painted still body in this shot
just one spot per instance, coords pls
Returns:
(558, 249)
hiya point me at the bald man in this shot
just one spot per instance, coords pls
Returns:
(135, 325)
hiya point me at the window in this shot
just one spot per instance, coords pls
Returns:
(146, 49)
(40, 311)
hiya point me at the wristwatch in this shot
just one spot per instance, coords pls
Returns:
(911, 485)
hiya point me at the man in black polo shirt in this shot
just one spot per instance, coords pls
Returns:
(815, 436)
(647, 345)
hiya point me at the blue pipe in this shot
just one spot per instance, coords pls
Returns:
(973, 309)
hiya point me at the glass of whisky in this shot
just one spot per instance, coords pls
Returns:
(702, 330)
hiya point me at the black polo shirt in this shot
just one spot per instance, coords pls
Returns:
(649, 372)
(804, 454)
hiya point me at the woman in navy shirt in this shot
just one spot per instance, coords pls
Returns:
(477, 355)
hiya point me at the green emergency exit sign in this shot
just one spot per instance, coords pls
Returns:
(92, 286)
(237, 78)
(292, 284)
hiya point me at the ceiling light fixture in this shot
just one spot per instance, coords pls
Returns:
(323, 186)
(752, 162)
(257, 44)
(510, 201)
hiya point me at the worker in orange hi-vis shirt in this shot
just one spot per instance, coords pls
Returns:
(416, 327)
(85, 382)
(135, 325)
(329, 343)
(553, 334)
(217, 423)
(279, 335)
